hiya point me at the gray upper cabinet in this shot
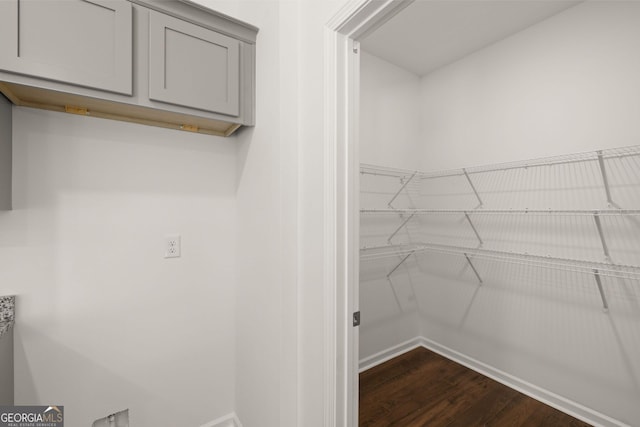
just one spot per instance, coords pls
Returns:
(168, 63)
(81, 42)
(193, 66)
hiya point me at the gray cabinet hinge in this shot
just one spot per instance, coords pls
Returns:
(356, 319)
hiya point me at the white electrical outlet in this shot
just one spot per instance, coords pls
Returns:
(172, 246)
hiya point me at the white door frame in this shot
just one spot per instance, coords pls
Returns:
(341, 187)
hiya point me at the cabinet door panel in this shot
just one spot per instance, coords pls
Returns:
(193, 66)
(82, 42)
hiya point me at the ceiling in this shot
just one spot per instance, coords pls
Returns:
(429, 34)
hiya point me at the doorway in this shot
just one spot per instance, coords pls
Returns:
(345, 37)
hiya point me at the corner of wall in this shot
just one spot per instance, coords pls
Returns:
(229, 420)
(5, 153)
(543, 395)
(390, 353)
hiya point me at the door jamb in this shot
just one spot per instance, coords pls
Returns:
(341, 171)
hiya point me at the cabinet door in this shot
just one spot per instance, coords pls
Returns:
(193, 66)
(82, 42)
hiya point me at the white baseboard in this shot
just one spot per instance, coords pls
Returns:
(568, 406)
(388, 354)
(230, 420)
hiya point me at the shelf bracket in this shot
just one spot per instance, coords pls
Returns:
(400, 228)
(399, 264)
(474, 228)
(395, 294)
(393, 289)
(605, 305)
(605, 248)
(473, 187)
(605, 180)
(473, 268)
(400, 190)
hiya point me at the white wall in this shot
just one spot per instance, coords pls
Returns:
(568, 84)
(103, 321)
(390, 128)
(280, 197)
(389, 135)
(565, 85)
(266, 264)
(262, 270)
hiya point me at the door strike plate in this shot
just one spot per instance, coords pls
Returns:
(356, 319)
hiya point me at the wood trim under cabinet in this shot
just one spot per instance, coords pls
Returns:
(27, 96)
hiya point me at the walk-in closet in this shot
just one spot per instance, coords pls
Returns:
(499, 212)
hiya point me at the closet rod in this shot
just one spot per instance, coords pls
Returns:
(595, 156)
(564, 264)
(571, 212)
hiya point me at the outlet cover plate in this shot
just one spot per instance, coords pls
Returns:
(172, 246)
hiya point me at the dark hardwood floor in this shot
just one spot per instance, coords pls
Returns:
(422, 388)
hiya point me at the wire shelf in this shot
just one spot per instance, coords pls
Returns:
(570, 212)
(375, 253)
(590, 156)
(577, 213)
